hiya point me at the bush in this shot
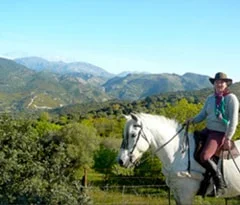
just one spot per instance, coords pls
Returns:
(34, 169)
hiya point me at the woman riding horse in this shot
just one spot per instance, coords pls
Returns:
(221, 113)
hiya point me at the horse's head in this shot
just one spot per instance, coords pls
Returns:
(134, 143)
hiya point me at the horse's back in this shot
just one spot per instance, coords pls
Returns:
(237, 143)
(232, 174)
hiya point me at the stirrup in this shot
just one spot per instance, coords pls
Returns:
(218, 191)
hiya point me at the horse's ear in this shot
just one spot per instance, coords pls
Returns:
(134, 116)
(127, 117)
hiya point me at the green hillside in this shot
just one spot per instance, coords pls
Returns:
(24, 89)
(139, 86)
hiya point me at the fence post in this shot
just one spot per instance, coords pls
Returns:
(84, 179)
(169, 196)
(123, 190)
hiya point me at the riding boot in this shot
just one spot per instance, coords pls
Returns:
(217, 176)
(204, 184)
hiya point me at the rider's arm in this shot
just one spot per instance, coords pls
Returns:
(202, 114)
(233, 109)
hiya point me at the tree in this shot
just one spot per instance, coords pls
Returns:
(43, 124)
(181, 111)
(81, 141)
(37, 169)
(104, 159)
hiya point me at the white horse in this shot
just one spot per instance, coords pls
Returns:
(144, 131)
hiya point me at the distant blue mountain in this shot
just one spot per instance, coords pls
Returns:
(40, 64)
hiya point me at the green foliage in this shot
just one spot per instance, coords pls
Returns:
(150, 168)
(106, 126)
(111, 143)
(43, 126)
(117, 170)
(148, 172)
(181, 111)
(104, 159)
(237, 133)
(103, 126)
(36, 169)
(81, 142)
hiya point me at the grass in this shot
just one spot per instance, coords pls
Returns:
(138, 195)
(101, 197)
(126, 196)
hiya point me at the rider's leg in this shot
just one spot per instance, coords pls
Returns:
(217, 176)
(214, 141)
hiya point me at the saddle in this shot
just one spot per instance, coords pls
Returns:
(200, 140)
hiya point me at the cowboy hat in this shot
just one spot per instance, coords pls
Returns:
(221, 76)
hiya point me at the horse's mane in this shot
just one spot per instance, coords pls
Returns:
(160, 120)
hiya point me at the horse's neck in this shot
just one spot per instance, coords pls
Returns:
(161, 131)
(161, 145)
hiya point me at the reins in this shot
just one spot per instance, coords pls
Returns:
(180, 130)
(235, 163)
(187, 142)
(166, 143)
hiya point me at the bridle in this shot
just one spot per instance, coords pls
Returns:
(125, 144)
(141, 132)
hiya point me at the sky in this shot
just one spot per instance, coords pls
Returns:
(156, 36)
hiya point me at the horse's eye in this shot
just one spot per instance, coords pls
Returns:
(137, 126)
(133, 135)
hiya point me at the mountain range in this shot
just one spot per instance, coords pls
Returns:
(34, 83)
(40, 64)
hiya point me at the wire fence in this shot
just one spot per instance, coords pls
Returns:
(123, 195)
(145, 195)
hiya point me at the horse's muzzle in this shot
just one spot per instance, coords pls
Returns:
(120, 162)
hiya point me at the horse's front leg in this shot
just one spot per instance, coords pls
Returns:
(184, 189)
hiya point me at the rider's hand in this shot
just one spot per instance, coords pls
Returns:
(188, 121)
(227, 144)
